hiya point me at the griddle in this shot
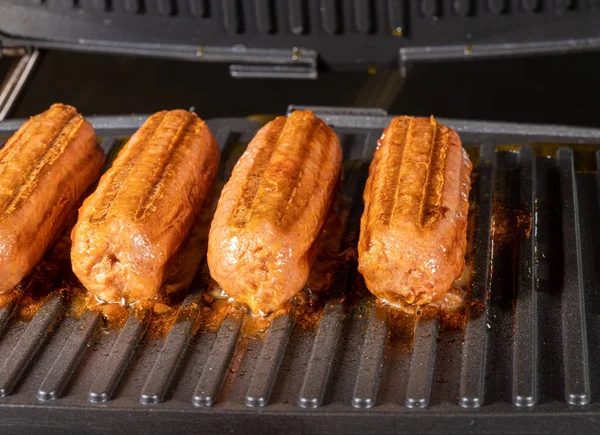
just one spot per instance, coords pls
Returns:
(527, 359)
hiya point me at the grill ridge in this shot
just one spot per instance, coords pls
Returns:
(29, 343)
(525, 337)
(472, 379)
(171, 354)
(575, 347)
(66, 362)
(119, 358)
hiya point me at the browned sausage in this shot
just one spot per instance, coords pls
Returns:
(45, 167)
(262, 238)
(131, 228)
(413, 229)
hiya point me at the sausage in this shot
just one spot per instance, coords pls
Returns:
(45, 168)
(131, 229)
(413, 229)
(262, 238)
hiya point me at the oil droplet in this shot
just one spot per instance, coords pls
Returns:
(468, 50)
(296, 55)
(200, 51)
(371, 70)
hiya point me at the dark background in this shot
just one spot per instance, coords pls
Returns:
(555, 89)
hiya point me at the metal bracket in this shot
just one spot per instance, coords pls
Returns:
(293, 63)
(17, 77)
(408, 55)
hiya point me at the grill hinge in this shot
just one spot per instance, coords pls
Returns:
(13, 83)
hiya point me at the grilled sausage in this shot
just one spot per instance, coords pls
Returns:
(262, 237)
(45, 167)
(413, 229)
(129, 231)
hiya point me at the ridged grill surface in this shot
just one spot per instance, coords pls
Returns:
(530, 342)
(392, 18)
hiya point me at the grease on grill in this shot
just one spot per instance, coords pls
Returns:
(50, 275)
(508, 223)
(584, 154)
(54, 272)
(402, 327)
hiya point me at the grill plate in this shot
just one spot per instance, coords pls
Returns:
(530, 359)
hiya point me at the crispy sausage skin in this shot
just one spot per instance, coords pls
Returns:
(262, 238)
(413, 229)
(131, 228)
(45, 167)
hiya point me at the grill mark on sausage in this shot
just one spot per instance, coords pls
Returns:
(395, 148)
(156, 182)
(50, 151)
(243, 207)
(12, 152)
(301, 161)
(116, 176)
(432, 190)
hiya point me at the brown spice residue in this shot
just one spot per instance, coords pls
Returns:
(79, 301)
(10, 297)
(163, 319)
(114, 316)
(524, 223)
(454, 320)
(509, 223)
(28, 306)
(214, 311)
(308, 310)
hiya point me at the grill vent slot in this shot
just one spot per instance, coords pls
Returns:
(199, 8)
(265, 13)
(431, 8)
(531, 5)
(364, 16)
(564, 5)
(497, 6)
(297, 10)
(397, 12)
(331, 16)
(233, 16)
(463, 8)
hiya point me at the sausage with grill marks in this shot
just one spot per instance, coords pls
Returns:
(45, 168)
(263, 236)
(413, 230)
(131, 229)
